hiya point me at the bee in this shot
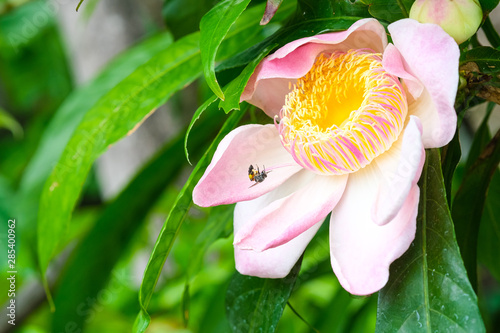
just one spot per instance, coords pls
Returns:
(256, 175)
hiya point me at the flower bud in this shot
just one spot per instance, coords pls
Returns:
(459, 18)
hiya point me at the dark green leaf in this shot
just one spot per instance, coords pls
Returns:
(218, 225)
(213, 28)
(390, 11)
(114, 116)
(34, 73)
(469, 202)
(71, 112)
(489, 232)
(428, 289)
(234, 89)
(491, 33)
(488, 5)
(481, 138)
(336, 313)
(486, 58)
(172, 226)
(451, 155)
(196, 116)
(256, 305)
(112, 233)
(182, 17)
(287, 34)
(365, 318)
(313, 9)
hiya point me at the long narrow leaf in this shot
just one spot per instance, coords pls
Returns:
(213, 28)
(469, 204)
(172, 226)
(116, 115)
(71, 112)
(114, 230)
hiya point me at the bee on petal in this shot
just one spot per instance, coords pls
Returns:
(256, 175)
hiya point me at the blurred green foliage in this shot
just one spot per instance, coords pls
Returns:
(148, 251)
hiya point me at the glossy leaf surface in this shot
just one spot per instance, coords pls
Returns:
(469, 203)
(428, 288)
(114, 116)
(172, 226)
(254, 304)
(111, 235)
(213, 28)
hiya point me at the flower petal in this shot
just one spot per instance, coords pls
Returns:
(400, 169)
(283, 214)
(226, 178)
(275, 262)
(362, 251)
(295, 59)
(432, 56)
(394, 64)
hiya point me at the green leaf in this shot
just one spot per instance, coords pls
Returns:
(313, 9)
(486, 58)
(213, 28)
(488, 5)
(172, 225)
(469, 202)
(287, 34)
(488, 249)
(114, 116)
(219, 225)
(34, 72)
(71, 112)
(390, 11)
(196, 116)
(336, 313)
(481, 138)
(256, 305)
(491, 33)
(351, 8)
(451, 155)
(235, 88)
(428, 289)
(113, 232)
(10, 123)
(183, 17)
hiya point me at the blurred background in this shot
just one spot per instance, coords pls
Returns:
(49, 54)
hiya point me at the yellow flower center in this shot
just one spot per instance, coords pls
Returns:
(343, 113)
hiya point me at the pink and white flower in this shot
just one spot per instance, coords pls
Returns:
(352, 116)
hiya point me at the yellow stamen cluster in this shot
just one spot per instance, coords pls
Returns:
(343, 113)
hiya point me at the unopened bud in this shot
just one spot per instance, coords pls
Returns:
(459, 18)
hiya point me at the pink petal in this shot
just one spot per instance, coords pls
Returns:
(374, 222)
(272, 263)
(432, 56)
(400, 169)
(226, 178)
(283, 214)
(295, 59)
(362, 251)
(394, 64)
